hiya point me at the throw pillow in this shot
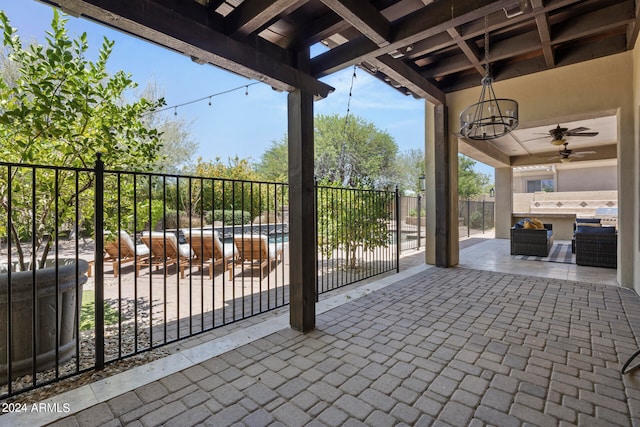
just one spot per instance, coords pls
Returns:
(537, 223)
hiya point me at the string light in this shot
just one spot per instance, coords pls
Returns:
(346, 118)
(175, 107)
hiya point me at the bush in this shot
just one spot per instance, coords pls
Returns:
(228, 217)
(171, 221)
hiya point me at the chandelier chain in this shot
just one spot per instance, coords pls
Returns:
(486, 43)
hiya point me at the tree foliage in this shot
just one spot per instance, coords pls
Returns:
(353, 152)
(470, 182)
(350, 151)
(177, 148)
(409, 167)
(58, 107)
(274, 162)
(352, 219)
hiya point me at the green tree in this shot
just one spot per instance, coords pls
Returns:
(274, 162)
(409, 166)
(177, 148)
(60, 108)
(226, 187)
(470, 182)
(352, 152)
(352, 219)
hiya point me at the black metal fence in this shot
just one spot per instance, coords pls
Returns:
(475, 217)
(141, 260)
(357, 235)
(413, 222)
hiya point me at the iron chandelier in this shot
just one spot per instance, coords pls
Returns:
(490, 117)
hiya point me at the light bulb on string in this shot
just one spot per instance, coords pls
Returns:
(175, 111)
(246, 90)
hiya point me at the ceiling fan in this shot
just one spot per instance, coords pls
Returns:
(558, 134)
(565, 154)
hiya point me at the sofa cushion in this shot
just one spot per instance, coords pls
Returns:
(588, 220)
(520, 224)
(595, 230)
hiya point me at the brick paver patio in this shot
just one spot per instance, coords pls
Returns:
(445, 347)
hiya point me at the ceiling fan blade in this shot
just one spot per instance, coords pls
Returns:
(578, 129)
(539, 137)
(582, 153)
(581, 134)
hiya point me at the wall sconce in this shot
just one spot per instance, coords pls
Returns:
(423, 182)
(492, 192)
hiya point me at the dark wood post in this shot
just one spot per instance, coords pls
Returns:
(442, 188)
(302, 224)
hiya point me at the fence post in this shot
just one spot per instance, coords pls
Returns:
(97, 256)
(483, 213)
(397, 230)
(315, 219)
(419, 219)
(468, 217)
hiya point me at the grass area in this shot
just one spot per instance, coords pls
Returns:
(88, 311)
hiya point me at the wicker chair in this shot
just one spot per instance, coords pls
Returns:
(597, 249)
(531, 241)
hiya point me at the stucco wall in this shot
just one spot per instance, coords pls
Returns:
(588, 179)
(634, 177)
(603, 178)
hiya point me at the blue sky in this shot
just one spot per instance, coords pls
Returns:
(235, 123)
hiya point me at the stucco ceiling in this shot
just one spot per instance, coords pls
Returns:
(532, 145)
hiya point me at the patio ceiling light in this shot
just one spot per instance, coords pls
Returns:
(490, 117)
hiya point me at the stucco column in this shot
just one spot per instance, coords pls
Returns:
(503, 202)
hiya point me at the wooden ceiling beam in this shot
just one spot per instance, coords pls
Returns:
(585, 26)
(634, 28)
(253, 15)
(364, 17)
(151, 20)
(595, 22)
(521, 44)
(425, 22)
(544, 31)
(469, 50)
(409, 78)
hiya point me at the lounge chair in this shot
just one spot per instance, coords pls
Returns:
(123, 251)
(254, 250)
(166, 251)
(209, 249)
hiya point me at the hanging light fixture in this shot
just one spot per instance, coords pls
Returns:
(490, 117)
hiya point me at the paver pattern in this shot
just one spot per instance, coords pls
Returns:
(447, 347)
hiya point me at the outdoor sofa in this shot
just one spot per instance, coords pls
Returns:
(596, 246)
(531, 241)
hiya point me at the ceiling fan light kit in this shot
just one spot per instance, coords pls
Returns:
(490, 117)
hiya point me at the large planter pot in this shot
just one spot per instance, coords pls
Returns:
(69, 290)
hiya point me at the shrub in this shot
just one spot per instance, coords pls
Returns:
(228, 217)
